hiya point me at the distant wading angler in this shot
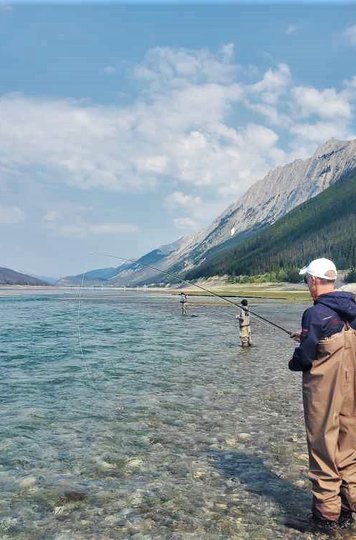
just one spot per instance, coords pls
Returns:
(245, 324)
(184, 303)
(327, 357)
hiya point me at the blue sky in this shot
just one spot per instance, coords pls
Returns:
(124, 127)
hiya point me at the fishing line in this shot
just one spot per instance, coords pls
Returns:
(175, 276)
(89, 376)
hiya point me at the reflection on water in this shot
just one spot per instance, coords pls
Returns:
(122, 419)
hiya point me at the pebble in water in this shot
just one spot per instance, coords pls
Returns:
(28, 483)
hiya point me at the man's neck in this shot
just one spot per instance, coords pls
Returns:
(323, 289)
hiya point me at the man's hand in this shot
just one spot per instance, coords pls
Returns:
(296, 336)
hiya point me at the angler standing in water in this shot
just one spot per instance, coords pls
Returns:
(184, 303)
(327, 357)
(245, 324)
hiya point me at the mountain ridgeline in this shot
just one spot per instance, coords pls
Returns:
(323, 226)
(10, 277)
(265, 203)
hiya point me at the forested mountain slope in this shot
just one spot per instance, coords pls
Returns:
(10, 277)
(324, 226)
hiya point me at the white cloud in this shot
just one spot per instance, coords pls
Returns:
(11, 214)
(76, 231)
(167, 67)
(319, 132)
(178, 199)
(192, 212)
(272, 114)
(5, 6)
(187, 128)
(52, 216)
(349, 92)
(291, 29)
(72, 220)
(112, 228)
(350, 34)
(273, 84)
(326, 103)
(179, 133)
(84, 229)
(110, 70)
(186, 224)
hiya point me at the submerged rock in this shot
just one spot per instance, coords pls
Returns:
(244, 436)
(28, 482)
(70, 496)
(135, 463)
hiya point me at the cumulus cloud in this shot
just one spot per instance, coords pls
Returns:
(112, 228)
(72, 220)
(84, 229)
(272, 114)
(273, 84)
(109, 70)
(319, 132)
(192, 212)
(291, 29)
(166, 67)
(177, 199)
(11, 214)
(5, 6)
(178, 131)
(326, 103)
(350, 34)
(349, 91)
(52, 216)
(186, 224)
(187, 127)
(270, 97)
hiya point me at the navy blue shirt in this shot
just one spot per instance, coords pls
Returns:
(326, 317)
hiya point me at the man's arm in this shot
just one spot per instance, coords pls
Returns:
(310, 336)
(240, 316)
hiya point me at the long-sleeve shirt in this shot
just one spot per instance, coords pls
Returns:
(243, 317)
(326, 317)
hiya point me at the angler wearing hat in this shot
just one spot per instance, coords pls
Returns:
(327, 357)
(184, 303)
(245, 324)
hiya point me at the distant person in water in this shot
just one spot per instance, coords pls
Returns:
(245, 324)
(184, 303)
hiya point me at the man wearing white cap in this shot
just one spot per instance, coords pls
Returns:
(327, 357)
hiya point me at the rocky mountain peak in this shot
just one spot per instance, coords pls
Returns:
(267, 200)
(331, 145)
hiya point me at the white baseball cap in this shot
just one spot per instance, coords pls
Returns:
(321, 268)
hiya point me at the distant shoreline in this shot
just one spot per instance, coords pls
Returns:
(292, 292)
(280, 291)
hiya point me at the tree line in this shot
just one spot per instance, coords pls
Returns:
(324, 226)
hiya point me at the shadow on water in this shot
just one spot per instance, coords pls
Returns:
(251, 472)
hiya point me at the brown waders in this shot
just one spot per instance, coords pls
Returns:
(245, 328)
(245, 335)
(329, 398)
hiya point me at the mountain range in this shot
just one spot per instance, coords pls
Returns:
(254, 219)
(10, 277)
(324, 225)
(266, 201)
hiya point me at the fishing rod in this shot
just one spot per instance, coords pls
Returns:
(175, 276)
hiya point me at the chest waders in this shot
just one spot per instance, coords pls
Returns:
(329, 399)
(245, 330)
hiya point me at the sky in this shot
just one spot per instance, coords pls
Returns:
(126, 126)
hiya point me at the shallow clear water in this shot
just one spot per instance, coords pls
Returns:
(122, 419)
